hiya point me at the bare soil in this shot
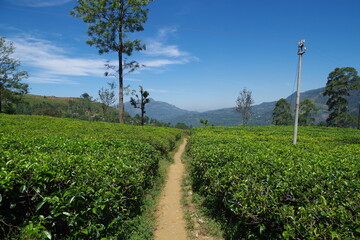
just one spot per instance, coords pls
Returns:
(170, 215)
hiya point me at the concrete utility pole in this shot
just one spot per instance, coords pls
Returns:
(301, 51)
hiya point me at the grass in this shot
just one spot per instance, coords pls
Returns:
(199, 222)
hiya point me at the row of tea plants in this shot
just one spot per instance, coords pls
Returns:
(267, 188)
(71, 179)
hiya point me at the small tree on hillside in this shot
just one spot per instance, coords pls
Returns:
(282, 113)
(140, 102)
(243, 105)
(204, 122)
(107, 97)
(110, 22)
(86, 96)
(340, 82)
(307, 111)
(11, 88)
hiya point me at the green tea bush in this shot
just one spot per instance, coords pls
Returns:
(270, 189)
(66, 179)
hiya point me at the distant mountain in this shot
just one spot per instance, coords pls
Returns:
(228, 117)
(161, 111)
(168, 113)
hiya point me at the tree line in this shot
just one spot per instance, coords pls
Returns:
(341, 83)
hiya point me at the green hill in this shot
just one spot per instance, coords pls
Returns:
(263, 112)
(163, 112)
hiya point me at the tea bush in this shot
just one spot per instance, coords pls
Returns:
(271, 189)
(69, 179)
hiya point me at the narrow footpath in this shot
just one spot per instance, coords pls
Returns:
(170, 216)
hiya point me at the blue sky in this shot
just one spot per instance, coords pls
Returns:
(200, 54)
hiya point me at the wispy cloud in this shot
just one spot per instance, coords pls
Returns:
(158, 46)
(53, 61)
(39, 3)
(160, 62)
(170, 53)
(160, 49)
(151, 90)
(50, 80)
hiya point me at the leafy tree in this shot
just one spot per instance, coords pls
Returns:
(243, 105)
(86, 96)
(339, 84)
(307, 110)
(107, 97)
(205, 122)
(109, 23)
(11, 88)
(282, 113)
(140, 102)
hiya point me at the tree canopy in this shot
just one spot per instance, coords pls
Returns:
(340, 83)
(110, 22)
(11, 87)
(282, 113)
(243, 105)
(141, 100)
(307, 111)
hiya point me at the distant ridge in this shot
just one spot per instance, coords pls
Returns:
(168, 113)
(165, 112)
(158, 110)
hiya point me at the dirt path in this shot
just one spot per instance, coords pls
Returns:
(171, 223)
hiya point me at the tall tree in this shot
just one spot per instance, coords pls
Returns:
(243, 105)
(282, 113)
(109, 23)
(11, 87)
(339, 84)
(307, 111)
(140, 102)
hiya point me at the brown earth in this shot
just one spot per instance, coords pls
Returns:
(170, 216)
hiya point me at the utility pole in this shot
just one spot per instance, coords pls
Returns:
(301, 51)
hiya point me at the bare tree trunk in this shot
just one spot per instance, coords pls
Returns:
(121, 89)
(142, 106)
(121, 80)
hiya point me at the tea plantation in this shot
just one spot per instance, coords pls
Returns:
(71, 179)
(258, 185)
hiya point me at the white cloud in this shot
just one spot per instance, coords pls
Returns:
(39, 3)
(170, 54)
(52, 61)
(50, 80)
(160, 62)
(157, 90)
(164, 32)
(159, 47)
